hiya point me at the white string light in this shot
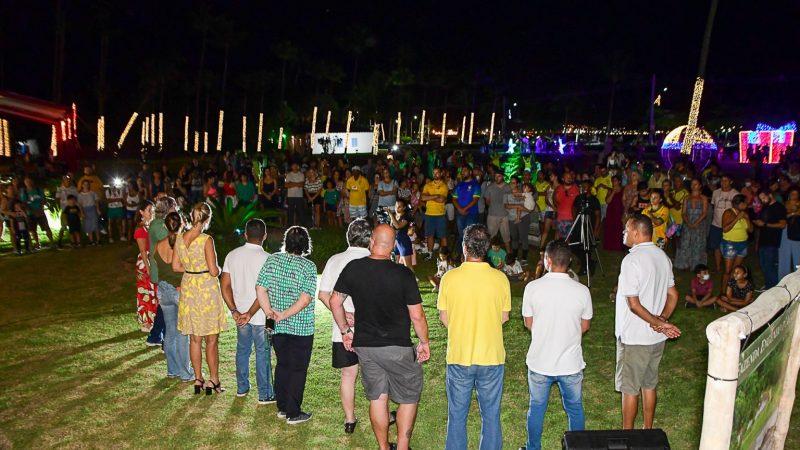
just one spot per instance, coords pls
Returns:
(463, 125)
(422, 128)
(152, 128)
(691, 126)
(491, 130)
(219, 130)
(328, 126)
(186, 134)
(375, 139)
(244, 134)
(313, 126)
(69, 128)
(144, 131)
(205, 142)
(399, 123)
(444, 129)
(53, 142)
(3, 150)
(101, 133)
(74, 120)
(124, 132)
(471, 125)
(260, 128)
(280, 138)
(196, 141)
(161, 130)
(347, 130)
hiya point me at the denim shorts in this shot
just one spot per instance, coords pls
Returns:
(732, 250)
(435, 226)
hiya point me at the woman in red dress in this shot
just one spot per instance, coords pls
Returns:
(612, 239)
(146, 300)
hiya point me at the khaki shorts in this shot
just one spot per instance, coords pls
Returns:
(637, 367)
(390, 370)
(495, 224)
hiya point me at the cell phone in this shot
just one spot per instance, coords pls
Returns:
(270, 325)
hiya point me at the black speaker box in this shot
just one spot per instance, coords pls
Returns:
(654, 439)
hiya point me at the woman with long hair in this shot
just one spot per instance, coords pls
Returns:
(549, 211)
(146, 300)
(313, 192)
(268, 189)
(736, 227)
(402, 221)
(200, 311)
(692, 250)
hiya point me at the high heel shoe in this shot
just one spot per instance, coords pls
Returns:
(198, 388)
(215, 387)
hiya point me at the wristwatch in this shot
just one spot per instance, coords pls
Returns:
(347, 331)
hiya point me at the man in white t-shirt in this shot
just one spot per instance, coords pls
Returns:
(238, 283)
(557, 324)
(295, 202)
(358, 234)
(646, 298)
(721, 201)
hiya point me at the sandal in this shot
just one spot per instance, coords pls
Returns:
(198, 387)
(215, 387)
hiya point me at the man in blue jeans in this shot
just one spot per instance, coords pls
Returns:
(557, 324)
(238, 282)
(465, 200)
(474, 303)
(771, 221)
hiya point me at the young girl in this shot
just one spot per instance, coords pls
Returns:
(739, 292)
(87, 199)
(513, 269)
(146, 300)
(73, 214)
(331, 203)
(702, 289)
(659, 214)
(443, 265)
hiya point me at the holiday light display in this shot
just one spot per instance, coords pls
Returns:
(244, 134)
(399, 124)
(471, 124)
(219, 130)
(280, 138)
(186, 134)
(774, 140)
(196, 141)
(314, 124)
(205, 141)
(692, 136)
(53, 142)
(491, 130)
(347, 130)
(422, 128)
(328, 126)
(101, 133)
(260, 128)
(160, 130)
(124, 132)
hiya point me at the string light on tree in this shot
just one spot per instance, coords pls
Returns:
(160, 130)
(347, 130)
(219, 130)
(53, 142)
(74, 120)
(244, 134)
(422, 128)
(69, 128)
(152, 128)
(196, 142)
(471, 125)
(186, 134)
(101, 133)
(260, 127)
(3, 150)
(491, 130)
(205, 142)
(444, 129)
(313, 125)
(463, 125)
(399, 123)
(691, 126)
(328, 126)
(375, 139)
(146, 130)
(6, 139)
(280, 138)
(124, 132)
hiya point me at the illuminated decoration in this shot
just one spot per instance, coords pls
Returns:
(444, 129)
(186, 134)
(328, 126)
(375, 139)
(219, 129)
(471, 124)
(383, 133)
(261, 127)
(160, 130)
(399, 123)
(4, 150)
(491, 130)
(313, 126)
(280, 138)
(347, 131)
(463, 125)
(6, 140)
(196, 141)
(657, 101)
(511, 146)
(74, 120)
(422, 128)
(101, 133)
(692, 134)
(152, 129)
(205, 141)
(53, 142)
(144, 131)
(244, 134)
(701, 150)
(776, 141)
(561, 146)
(124, 132)
(147, 125)
(69, 128)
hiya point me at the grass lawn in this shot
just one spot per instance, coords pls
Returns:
(76, 372)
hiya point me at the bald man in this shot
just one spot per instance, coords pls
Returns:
(387, 302)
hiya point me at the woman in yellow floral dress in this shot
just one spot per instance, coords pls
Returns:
(200, 311)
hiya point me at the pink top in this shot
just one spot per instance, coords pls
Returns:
(702, 289)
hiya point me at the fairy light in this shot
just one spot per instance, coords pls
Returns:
(196, 141)
(328, 126)
(313, 125)
(244, 134)
(463, 125)
(347, 130)
(471, 125)
(260, 128)
(69, 128)
(383, 133)
(219, 130)
(144, 131)
(3, 150)
(186, 134)
(125, 131)
(399, 123)
(444, 129)
(280, 138)
(691, 126)
(152, 129)
(161, 130)
(205, 142)
(491, 130)
(75, 120)
(101, 133)
(6, 140)
(422, 128)
(375, 139)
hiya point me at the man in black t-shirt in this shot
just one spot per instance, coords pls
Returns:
(387, 302)
(771, 223)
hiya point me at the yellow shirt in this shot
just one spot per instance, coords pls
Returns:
(659, 232)
(475, 296)
(602, 187)
(739, 231)
(433, 208)
(541, 190)
(358, 190)
(677, 213)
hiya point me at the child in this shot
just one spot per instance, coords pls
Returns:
(513, 269)
(527, 193)
(496, 256)
(74, 214)
(739, 292)
(331, 201)
(412, 235)
(443, 265)
(702, 288)
(21, 227)
(659, 214)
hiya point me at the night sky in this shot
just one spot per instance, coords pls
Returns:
(556, 59)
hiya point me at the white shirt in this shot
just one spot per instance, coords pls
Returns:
(721, 201)
(646, 272)
(556, 333)
(244, 264)
(295, 177)
(330, 274)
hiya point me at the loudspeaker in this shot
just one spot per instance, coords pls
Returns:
(654, 439)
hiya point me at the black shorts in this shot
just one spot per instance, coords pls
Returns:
(341, 358)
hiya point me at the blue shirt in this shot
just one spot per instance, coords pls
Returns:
(465, 191)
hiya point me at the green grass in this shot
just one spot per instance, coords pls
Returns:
(76, 373)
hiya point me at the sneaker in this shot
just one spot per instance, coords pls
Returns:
(123, 239)
(281, 415)
(300, 418)
(266, 401)
(242, 394)
(152, 344)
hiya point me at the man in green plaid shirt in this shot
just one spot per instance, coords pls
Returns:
(285, 289)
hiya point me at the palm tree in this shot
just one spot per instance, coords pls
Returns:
(356, 42)
(287, 53)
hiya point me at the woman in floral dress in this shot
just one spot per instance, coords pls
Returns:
(692, 250)
(146, 299)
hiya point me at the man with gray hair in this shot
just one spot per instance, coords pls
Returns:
(156, 233)
(474, 303)
(555, 354)
(358, 234)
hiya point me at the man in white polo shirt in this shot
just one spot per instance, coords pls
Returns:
(646, 298)
(557, 324)
(238, 283)
(358, 234)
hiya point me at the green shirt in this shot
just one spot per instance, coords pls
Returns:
(332, 197)
(155, 233)
(245, 192)
(286, 277)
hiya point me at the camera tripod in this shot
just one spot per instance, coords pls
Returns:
(582, 229)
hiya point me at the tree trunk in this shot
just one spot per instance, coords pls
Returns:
(58, 52)
(102, 88)
(224, 76)
(199, 81)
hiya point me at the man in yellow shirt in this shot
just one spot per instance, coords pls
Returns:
(434, 194)
(474, 303)
(602, 186)
(357, 189)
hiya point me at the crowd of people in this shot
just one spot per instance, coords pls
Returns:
(481, 217)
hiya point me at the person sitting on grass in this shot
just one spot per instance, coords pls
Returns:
(496, 256)
(739, 292)
(513, 269)
(443, 265)
(702, 294)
